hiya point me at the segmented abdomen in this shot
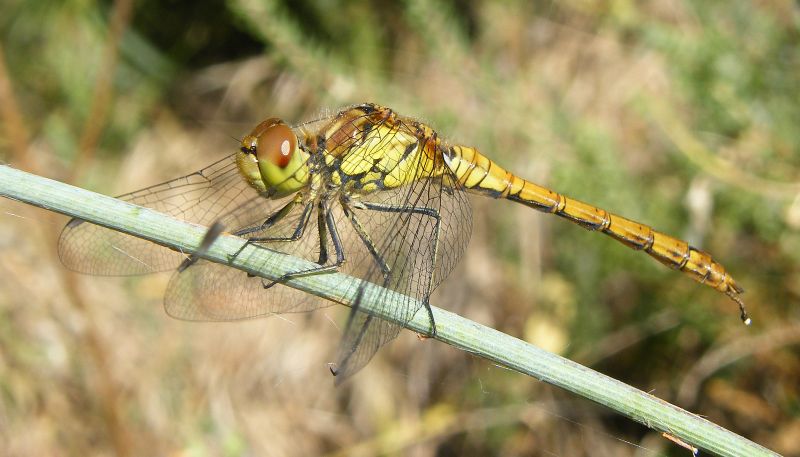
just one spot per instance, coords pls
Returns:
(477, 173)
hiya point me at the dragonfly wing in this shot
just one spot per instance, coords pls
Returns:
(363, 336)
(418, 232)
(217, 193)
(200, 197)
(208, 291)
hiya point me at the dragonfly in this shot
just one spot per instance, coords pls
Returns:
(366, 192)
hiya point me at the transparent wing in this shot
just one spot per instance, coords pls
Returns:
(419, 233)
(407, 239)
(419, 249)
(208, 291)
(203, 197)
(414, 252)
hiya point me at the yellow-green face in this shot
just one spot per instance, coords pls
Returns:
(271, 161)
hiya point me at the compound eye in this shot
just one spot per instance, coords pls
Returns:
(276, 142)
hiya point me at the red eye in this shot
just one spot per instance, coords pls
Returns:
(276, 142)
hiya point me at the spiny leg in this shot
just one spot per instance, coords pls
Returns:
(385, 269)
(323, 235)
(324, 220)
(430, 212)
(365, 238)
(273, 219)
(377, 256)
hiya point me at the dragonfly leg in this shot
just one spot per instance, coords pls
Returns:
(367, 240)
(322, 231)
(270, 221)
(327, 227)
(367, 320)
(430, 212)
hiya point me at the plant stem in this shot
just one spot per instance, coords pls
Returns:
(451, 329)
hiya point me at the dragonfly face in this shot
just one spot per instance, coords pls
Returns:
(271, 161)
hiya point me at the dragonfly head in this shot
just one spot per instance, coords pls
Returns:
(271, 161)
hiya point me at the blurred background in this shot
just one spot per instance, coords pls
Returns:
(681, 114)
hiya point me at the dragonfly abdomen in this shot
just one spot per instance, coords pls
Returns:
(479, 174)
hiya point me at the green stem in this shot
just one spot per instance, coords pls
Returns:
(451, 328)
